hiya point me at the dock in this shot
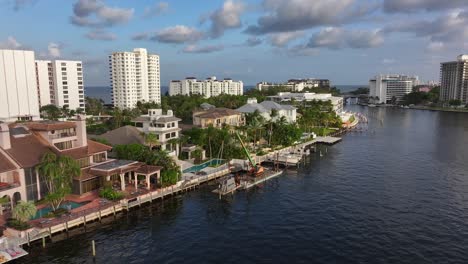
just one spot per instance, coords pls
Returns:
(228, 186)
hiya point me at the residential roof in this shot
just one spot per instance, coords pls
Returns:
(115, 167)
(50, 125)
(27, 150)
(92, 148)
(250, 108)
(5, 163)
(207, 106)
(272, 105)
(148, 169)
(123, 136)
(159, 119)
(216, 113)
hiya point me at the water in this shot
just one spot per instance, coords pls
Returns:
(396, 193)
(66, 205)
(200, 167)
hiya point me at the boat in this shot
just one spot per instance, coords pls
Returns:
(372, 105)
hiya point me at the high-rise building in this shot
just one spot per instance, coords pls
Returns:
(208, 88)
(385, 89)
(135, 76)
(454, 80)
(61, 83)
(18, 86)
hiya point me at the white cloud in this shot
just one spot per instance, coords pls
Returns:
(227, 17)
(10, 43)
(156, 9)
(178, 34)
(100, 35)
(54, 50)
(94, 13)
(202, 49)
(282, 39)
(435, 46)
(338, 38)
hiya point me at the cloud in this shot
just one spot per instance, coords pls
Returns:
(226, 17)
(94, 13)
(282, 39)
(435, 46)
(100, 35)
(19, 4)
(10, 43)
(338, 38)
(202, 49)
(451, 27)
(302, 50)
(156, 9)
(388, 61)
(141, 36)
(409, 6)
(253, 41)
(177, 34)
(294, 15)
(54, 51)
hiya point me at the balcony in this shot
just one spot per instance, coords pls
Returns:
(62, 135)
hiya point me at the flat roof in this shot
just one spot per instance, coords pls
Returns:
(115, 164)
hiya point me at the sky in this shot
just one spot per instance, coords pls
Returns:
(346, 41)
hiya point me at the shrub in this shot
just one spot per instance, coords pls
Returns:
(110, 194)
(169, 177)
(17, 224)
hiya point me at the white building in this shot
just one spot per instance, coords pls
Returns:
(454, 80)
(165, 126)
(209, 87)
(386, 88)
(18, 86)
(135, 76)
(60, 83)
(296, 85)
(266, 108)
(337, 102)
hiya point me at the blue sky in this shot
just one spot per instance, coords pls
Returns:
(346, 41)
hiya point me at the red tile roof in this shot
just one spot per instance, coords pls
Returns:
(5, 164)
(27, 150)
(92, 148)
(50, 125)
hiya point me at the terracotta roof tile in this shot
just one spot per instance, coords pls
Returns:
(92, 148)
(216, 113)
(5, 163)
(50, 125)
(27, 150)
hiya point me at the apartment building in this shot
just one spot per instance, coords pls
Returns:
(384, 89)
(60, 83)
(164, 125)
(135, 76)
(18, 86)
(296, 85)
(285, 97)
(454, 80)
(207, 88)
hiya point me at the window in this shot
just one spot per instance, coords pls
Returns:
(65, 92)
(80, 83)
(168, 135)
(84, 162)
(64, 68)
(97, 158)
(64, 78)
(173, 134)
(64, 83)
(80, 92)
(66, 101)
(63, 145)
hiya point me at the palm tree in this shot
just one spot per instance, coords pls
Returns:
(58, 172)
(273, 115)
(151, 140)
(24, 211)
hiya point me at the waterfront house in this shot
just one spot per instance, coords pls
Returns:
(266, 108)
(217, 117)
(165, 126)
(22, 146)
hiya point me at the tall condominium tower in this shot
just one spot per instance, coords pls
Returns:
(135, 76)
(386, 88)
(454, 80)
(18, 86)
(60, 83)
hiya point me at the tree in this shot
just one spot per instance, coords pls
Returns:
(151, 140)
(455, 102)
(24, 211)
(50, 112)
(58, 173)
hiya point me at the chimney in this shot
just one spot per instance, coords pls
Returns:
(5, 136)
(81, 131)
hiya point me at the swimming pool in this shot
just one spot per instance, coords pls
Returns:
(65, 205)
(200, 167)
